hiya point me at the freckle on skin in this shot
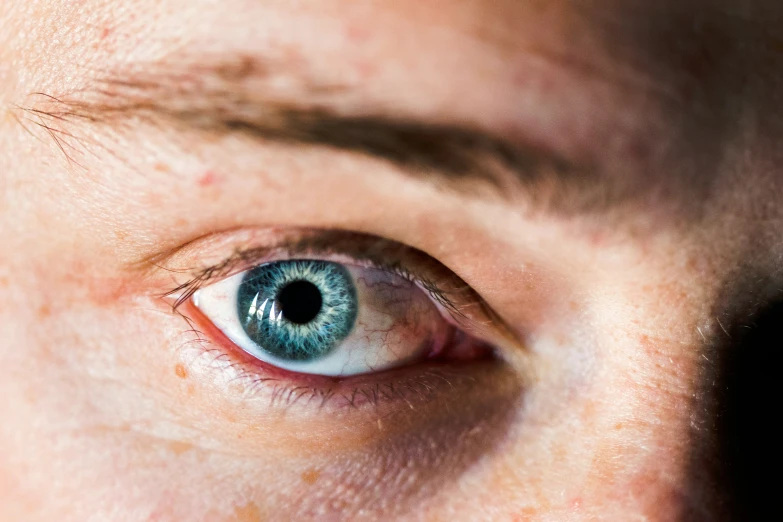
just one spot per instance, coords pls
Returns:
(178, 448)
(526, 515)
(311, 476)
(162, 167)
(44, 311)
(180, 371)
(247, 513)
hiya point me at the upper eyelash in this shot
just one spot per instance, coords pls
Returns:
(248, 257)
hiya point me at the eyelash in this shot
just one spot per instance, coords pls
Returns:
(248, 258)
(393, 389)
(398, 391)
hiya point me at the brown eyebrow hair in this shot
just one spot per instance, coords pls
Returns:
(222, 97)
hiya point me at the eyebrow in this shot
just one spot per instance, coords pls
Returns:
(232, 98)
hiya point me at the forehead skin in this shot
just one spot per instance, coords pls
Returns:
(676, 103)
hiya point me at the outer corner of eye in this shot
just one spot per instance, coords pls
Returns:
(319, 317)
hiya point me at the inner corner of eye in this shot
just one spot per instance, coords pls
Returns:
(319, 317)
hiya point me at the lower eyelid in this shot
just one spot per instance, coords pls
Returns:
(245, 368)
(254, 379)
(423, 425)
(427, 395)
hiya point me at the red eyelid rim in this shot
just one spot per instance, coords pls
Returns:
(203, 326)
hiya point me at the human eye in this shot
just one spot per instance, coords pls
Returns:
(327, 318)
(331, 308)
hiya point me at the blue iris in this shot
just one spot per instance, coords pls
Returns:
(297, 310)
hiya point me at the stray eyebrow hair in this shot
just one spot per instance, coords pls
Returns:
(238, 97)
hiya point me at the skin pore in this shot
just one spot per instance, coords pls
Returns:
(601, 175)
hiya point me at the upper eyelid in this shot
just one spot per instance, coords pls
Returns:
(376, 252)
(243, 261)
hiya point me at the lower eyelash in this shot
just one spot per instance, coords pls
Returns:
(284, 396)
(240, 370)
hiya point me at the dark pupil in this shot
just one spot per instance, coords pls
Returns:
(300, 301)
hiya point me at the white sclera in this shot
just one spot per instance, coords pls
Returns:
(397, 323)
